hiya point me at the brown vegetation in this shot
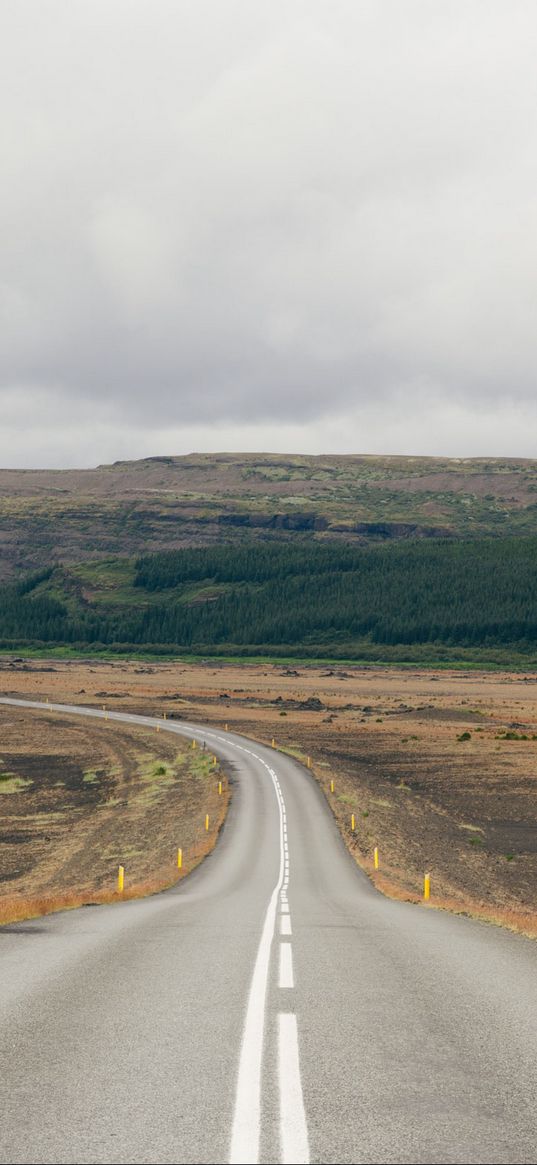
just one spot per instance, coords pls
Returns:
(440, 769)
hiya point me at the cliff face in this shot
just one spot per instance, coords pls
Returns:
(167, 502)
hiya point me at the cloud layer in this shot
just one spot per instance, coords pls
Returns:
(291, 225)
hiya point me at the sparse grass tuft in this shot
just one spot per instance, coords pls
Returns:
(11, 784)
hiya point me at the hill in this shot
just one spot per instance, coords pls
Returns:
(161, 503)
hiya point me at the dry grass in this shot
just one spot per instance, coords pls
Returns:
(464, 810)
(15, 908)
(85, 798)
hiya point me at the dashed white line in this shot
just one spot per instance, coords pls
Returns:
(286, 979)
(285, 924)
(293, 1127)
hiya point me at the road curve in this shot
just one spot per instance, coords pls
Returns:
(271, 1007)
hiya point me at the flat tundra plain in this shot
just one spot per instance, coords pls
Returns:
(437, 769)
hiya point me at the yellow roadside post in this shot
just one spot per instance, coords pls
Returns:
(273, 743)
(376, 857)
(426, 887)
(214, 760)
(179, 859)
(193, 744)
(163, 715)
(219, 788)
(207, 822)
(158, 727)
(331, 786)
(352, 822)
(225, 727)
(309, 762)
(120, 879)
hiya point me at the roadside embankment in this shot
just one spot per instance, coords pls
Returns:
(78, 799)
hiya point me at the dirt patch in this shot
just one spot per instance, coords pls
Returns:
(79, 799)
(439, 769)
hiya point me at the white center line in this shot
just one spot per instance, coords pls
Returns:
(285, 924)
(246, 1129)
(286, 978)
(293, 1127)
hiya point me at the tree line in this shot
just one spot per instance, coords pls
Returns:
(270, 595)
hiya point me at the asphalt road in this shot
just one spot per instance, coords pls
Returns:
(273, 1007)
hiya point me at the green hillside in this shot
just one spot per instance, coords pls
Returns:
(416, 600)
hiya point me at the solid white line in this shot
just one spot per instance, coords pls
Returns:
(293, 1127)
(285, 924)
(286, 978)
(246, 1127)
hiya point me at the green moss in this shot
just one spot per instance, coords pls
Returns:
(11, 784)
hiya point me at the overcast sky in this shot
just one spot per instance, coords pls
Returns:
(289, 225)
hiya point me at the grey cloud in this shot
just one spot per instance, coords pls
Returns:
(229, 214)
